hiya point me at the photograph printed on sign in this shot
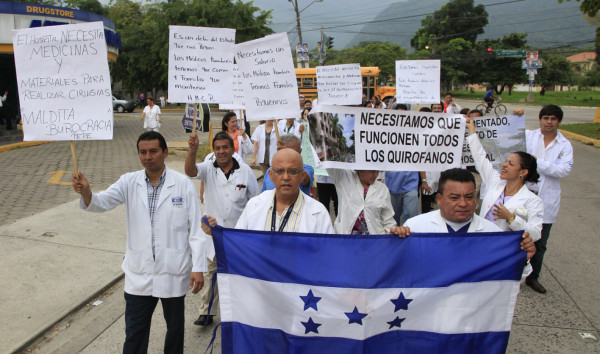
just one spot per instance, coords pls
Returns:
(500, 136)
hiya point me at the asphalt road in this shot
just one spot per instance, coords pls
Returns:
(542, 323)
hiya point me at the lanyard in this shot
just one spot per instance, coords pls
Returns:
(285, 218)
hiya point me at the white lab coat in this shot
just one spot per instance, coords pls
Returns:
(379, 212)
(553, 162)
(224, 198)
(295, 129)
(433, 222)
(246, 147)
(179, 243)
(260, 137)
(532, 222)
(314, 217)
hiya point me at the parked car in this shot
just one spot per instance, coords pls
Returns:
(122, 104)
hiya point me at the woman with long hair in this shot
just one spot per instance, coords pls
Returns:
(241, 142)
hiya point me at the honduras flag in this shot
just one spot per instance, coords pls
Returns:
(313, 293)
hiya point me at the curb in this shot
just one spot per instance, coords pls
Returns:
(583, 139)
(23, 144)
(76, 307)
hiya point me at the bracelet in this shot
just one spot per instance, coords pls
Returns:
(510, 221)
(424, 181)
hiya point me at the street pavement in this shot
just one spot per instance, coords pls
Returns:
(58, 260)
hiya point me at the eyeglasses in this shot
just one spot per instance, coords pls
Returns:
(292, 172)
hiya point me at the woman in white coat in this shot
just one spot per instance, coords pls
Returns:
(507, 200)
(366, 208)
(241, 141)
(264, 139)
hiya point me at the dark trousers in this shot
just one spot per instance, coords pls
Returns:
(327, 192)
(138, 318)
(426, 202)
(538, 258)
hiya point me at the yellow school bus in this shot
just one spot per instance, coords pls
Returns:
(307, 83)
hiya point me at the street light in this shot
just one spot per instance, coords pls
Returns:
(295, 4)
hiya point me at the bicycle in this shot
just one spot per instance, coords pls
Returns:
(498, 108)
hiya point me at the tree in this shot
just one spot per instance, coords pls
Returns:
(87, 5)
(556, 71)
(501, 72)
(457, 66)
(143, 62)
(456, 19)
(380, 54)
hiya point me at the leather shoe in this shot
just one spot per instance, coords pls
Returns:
(203, 321)
(535, 285)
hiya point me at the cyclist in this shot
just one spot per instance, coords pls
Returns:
(489, 98)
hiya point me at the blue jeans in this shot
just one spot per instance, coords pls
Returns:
(138, 318)
(538, 257)
(406, 205)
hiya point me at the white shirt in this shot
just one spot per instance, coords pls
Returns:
(294, 129)
(553, 162)
(314, 218)
(524, 199)
(260, 137)
(246, 147)
(151, 116)
(379, 213)
(2, 99)
(180, 244)
(434, 222)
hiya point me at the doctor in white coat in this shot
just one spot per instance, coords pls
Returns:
(286, 208)
(457, 200)
(165, 254)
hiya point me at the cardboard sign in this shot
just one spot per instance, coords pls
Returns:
(418, 81)
(201, 64)
(64, 82)
(339, 84)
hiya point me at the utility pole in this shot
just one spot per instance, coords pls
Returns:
(295, 4)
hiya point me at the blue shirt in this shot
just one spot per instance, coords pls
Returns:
(268, 185)
(488, 94)
(402, 182)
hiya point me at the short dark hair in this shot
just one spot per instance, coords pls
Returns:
(437, 104)
(152, 135)
(222, 135)
(456, 175)
(307, 101)
(528, 163)
(465, 111)
(226, 119)
(425, 109)
(150, 98)
(448, 93)
(401, 106)
(552, 110)
(475, 111)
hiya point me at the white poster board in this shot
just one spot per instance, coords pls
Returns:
(268, 78)
(201, 64)
(238, 92)
(339, 84)
(64, 82)
(386, 140)
(500, 136)
(418, 81)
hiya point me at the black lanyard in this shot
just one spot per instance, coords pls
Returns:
(285, 218)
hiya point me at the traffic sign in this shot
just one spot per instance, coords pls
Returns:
(511, 53)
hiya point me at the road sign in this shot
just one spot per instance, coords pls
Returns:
(511, 53)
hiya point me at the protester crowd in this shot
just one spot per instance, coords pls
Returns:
(523, 195)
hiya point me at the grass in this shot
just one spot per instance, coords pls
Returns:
(591, 130)
(564, 98)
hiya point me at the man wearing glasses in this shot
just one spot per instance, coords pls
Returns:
(554, 155)
(284, 209)
(290, 141)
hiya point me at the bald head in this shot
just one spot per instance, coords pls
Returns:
(287, 172)
(288, 157)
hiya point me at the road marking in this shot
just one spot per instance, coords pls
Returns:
(57, 175)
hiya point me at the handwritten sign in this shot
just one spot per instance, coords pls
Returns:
(418, 81)
(375, 139)
(339, 84)
(268, 77)
(64, 82)
(500, 136)
(200, 64)
(238, 92)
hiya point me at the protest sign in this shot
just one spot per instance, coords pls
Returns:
(339, 84)
(418, 81)
(386, 140)
(238, 92)
(200, 64)
(268, 78)
(64, 82)
(500, 137)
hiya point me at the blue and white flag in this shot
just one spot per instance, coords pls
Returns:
(312, 293)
